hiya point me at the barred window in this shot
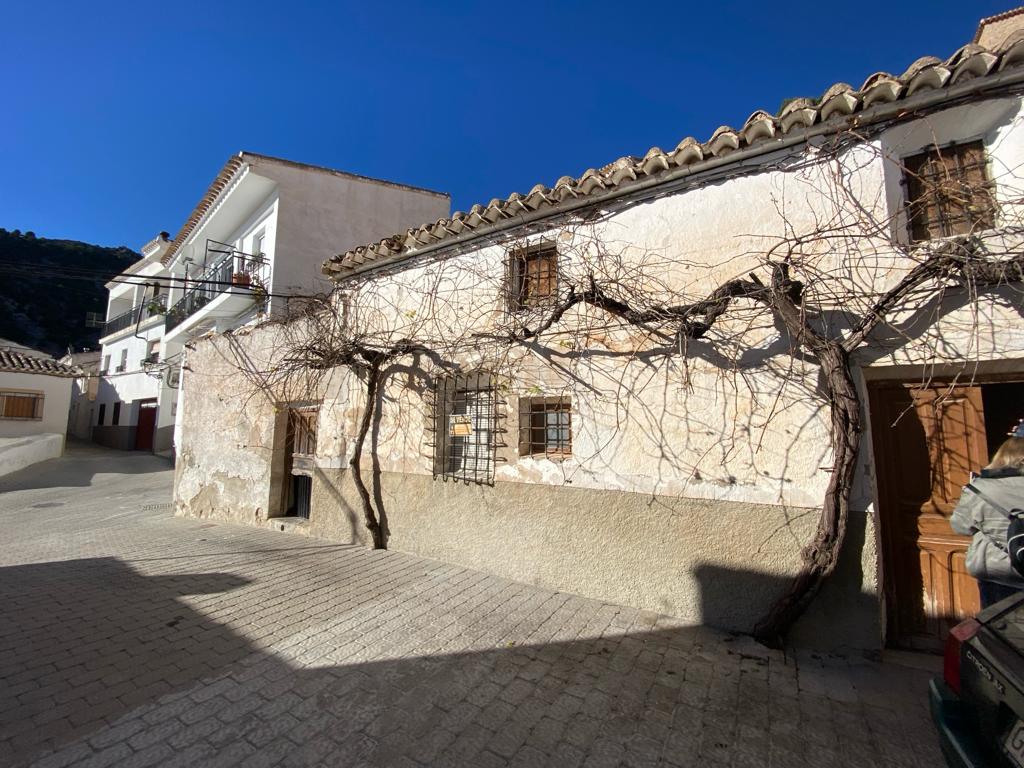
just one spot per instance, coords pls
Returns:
(949, 191)
(302, 429)
(545, 426)
(21, 405)
(532, 277)
(465, 426)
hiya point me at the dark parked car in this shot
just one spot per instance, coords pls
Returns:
(978, 704)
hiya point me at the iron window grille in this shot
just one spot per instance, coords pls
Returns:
(948, 191)
(465, 427)
(545, 426)
(302, 429)
(532, 277)
(21, 405)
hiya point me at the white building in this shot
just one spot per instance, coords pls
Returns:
(84, 388)
(133, 388)
(35, 392)
(259, 235)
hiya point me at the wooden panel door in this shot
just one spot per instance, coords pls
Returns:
(927, 441)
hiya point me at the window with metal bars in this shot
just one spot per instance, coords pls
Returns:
(465, 427)
(949, 191)
(545, 426)
(532, 277)
(21, 405)
(302, 429)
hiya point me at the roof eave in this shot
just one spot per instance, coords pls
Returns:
(929, 98)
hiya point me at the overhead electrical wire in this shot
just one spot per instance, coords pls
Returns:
(125, 278)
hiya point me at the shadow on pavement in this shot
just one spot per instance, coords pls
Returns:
(83, 641)
(93, 649)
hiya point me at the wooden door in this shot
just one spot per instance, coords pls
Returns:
(146, 426)
(926, 443)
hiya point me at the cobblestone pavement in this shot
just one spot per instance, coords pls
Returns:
(131, 638)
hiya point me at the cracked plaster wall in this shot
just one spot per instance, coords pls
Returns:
(692, 487)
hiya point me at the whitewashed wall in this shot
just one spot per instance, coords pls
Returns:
(57, 393)
(694, 476)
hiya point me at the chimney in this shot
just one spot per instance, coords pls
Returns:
(995, 30)
(157, 246)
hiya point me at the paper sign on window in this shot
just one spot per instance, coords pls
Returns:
(460, 425)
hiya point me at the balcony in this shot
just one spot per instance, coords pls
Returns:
(231, 273)
(127, 319)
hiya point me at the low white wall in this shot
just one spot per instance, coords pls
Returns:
(20, 452)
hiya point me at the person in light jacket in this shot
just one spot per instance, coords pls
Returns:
(982, 512)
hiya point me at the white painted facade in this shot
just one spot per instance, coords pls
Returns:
(56, 392)
(131, 354)
(276, 222)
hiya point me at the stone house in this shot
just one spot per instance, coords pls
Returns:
(613, 452)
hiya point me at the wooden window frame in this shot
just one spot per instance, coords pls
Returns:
(303, 422)
(36, 396)
(931, 180)
(534, 427)
(532, 277)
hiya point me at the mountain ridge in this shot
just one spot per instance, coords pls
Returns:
(48, 285)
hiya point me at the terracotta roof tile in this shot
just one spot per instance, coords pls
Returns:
(16, 362)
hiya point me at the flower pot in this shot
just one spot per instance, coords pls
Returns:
(240, 278)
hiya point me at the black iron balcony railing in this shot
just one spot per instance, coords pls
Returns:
(231, 271)
(132, 317)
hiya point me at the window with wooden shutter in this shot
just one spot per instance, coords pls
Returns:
(21, 405)
(949, 191)
(532, 277)
(545, 426)
(302, 429)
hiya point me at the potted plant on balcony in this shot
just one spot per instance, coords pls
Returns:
(156, 306)
(240, 279)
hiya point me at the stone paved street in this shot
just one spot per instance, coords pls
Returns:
(131, 638)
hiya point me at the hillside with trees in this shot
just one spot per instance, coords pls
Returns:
(47, 287)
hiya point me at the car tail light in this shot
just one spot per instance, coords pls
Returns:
(958, 635)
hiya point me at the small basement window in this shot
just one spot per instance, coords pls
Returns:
(21, 405)
(949, 191)
(532, 277)
(465, 425)
(545, 426)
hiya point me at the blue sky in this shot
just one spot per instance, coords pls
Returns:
(114, 117)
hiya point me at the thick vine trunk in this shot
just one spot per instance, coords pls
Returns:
(369, 514)
(821, 555)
